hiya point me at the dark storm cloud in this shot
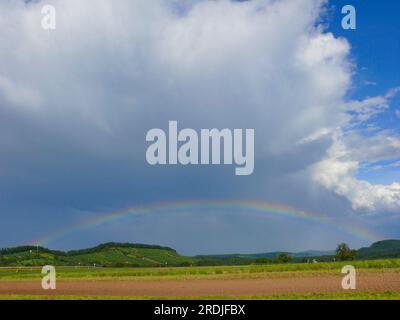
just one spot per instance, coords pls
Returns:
(76, 103)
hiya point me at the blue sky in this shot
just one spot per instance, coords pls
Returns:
(375, 43)
(76, 104)
(375, 50)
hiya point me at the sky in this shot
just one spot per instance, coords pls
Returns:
(76, 104)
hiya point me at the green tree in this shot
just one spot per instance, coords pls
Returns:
(263, 260)
(284, 257)
(343, 252)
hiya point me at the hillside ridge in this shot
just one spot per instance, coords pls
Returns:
(117, 254)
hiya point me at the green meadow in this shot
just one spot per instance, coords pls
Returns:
(244, 271)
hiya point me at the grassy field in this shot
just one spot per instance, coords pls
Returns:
(249, 271)
(290, 281)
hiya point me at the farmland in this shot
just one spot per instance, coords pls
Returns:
(245, 271)
(137, 271)
(377, 279)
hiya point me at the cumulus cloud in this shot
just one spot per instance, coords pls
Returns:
(354, 146)
(338, 172)
(77, 102)
(113, 62)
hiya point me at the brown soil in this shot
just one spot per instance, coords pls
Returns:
(366, 281)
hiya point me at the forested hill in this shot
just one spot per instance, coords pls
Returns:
(115, 254)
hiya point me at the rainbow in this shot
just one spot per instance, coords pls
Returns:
(250, 206)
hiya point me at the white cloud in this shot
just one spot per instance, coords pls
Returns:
(353, 148)
(258, 64)
(395, 164)
(317, 135)
(338, 172)
(368, 108)
(383, 145)
(370, 83)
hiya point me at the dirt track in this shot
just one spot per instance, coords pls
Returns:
(366, 281)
